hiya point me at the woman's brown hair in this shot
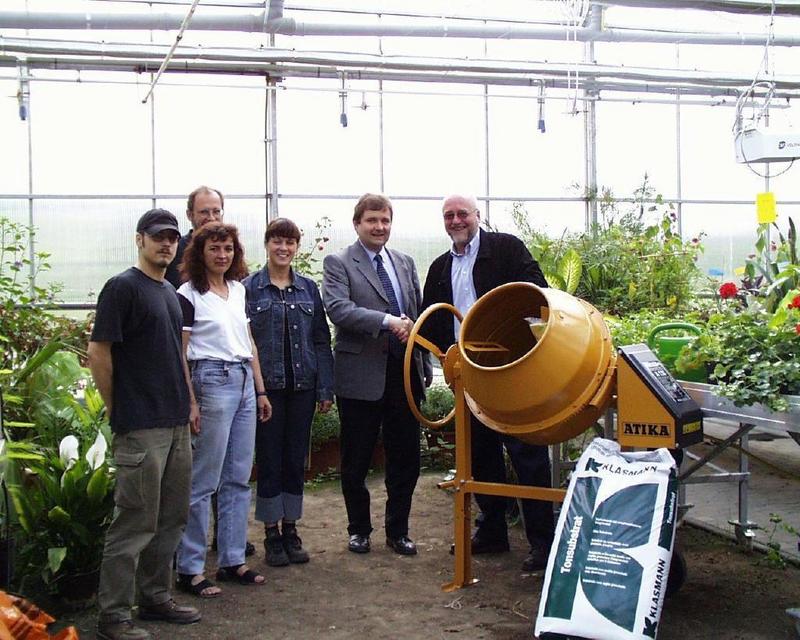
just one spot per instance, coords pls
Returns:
(193, 267)
(282, 228)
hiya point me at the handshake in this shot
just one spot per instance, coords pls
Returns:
(401, 326)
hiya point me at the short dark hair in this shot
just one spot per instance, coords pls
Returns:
(371, 202)
(203, 189)
(193, 267)
(282, 228)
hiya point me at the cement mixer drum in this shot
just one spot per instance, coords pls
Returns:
(537, 363)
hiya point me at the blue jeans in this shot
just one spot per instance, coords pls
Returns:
(281, 450)
(222, 459)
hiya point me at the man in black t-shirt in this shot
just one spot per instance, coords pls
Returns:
(136, 359)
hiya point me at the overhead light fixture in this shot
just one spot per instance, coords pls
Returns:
(24, 91)
(540, 100)
(343, 98)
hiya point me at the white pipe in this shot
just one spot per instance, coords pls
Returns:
(141, 58)
(171, 51)
(259, 22)
(788, 91)
(750, 7)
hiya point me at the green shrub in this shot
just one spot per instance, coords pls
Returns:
(324, 427)
(630, 260)
(438, 403)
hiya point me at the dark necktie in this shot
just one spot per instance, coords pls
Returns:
(396, 348)
(383, 276)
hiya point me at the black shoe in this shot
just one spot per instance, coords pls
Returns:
(273, 545)
(249, 549)
(479, 544)
(536, 560)
(402, 545)
(293, 545)
(358, 543)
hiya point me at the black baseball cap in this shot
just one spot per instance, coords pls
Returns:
(157, 220)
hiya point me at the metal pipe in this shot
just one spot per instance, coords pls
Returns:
(750, 7)
(636, 99)
(283, 62)
(259, 22)
(706, 88)
(709, 87)
(168, 57)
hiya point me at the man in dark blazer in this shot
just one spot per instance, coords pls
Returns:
(372, 296)
(478, 262)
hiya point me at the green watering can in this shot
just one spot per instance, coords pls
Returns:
(667, 348)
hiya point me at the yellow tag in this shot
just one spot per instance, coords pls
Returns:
(739, 271)
(765, 208)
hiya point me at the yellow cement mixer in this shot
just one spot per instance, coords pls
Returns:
(538, 364)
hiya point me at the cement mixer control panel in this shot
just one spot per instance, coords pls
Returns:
(667, 382)
(653, 408)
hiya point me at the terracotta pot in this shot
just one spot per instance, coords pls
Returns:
(328, 457)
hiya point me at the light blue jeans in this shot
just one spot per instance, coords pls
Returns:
(222, 458)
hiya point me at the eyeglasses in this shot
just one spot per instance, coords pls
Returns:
(461, 214)
(217, 213)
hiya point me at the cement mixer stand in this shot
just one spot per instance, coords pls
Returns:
(464, 486)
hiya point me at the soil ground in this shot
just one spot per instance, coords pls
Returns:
(728, 594)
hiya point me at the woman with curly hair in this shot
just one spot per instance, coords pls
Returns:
(227, 394)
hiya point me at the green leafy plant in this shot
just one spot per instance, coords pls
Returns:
(752, 360)
(439, 449)
(773, 557)
(633, 258)
(25, 324)
(773, 271)
(324, 427)
(63, 501)
(307, 260)
(438, 403)
(635, 327)
(62, 491)
(559, 261)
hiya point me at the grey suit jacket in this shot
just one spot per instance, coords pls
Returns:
(356, 304)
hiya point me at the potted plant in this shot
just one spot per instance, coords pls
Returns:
(58, 475)
(439, 401)
(323, 452)
(63, 501)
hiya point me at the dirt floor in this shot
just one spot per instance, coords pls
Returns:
(727, 594)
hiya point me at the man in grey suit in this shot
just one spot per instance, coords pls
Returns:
(372, 296)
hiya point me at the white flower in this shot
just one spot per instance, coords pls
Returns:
(68, 451)
(96, 455)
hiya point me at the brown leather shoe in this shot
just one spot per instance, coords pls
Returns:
(124, 630)
(169, 611)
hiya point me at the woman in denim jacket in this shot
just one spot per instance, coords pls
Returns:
(291, 332)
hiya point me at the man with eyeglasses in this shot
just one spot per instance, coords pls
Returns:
(478, 262)
(203, 205)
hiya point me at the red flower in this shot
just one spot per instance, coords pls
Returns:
(795, 303)
(797, 328)
(728, 290)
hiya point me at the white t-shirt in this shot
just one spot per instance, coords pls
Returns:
(218, 327)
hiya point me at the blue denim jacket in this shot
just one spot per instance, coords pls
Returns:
(309, 335)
